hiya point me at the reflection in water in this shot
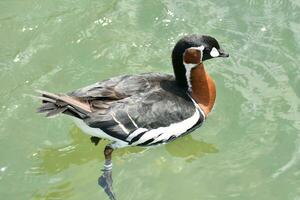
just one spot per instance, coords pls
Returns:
(56, 192)
(78, 152)
(81, 151)
(106, 182)
(192, 151)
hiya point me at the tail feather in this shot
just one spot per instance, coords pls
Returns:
(52, 113)
(45, 99)
(46, 107)
(54, 104)
(48, 94)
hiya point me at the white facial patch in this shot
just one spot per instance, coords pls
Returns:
(214, 52)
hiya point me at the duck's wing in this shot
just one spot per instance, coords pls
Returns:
(120, 87)
(99, 97)
(148, 116)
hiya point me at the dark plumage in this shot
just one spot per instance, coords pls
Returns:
(151, 100)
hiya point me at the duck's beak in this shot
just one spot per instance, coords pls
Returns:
(222, 53)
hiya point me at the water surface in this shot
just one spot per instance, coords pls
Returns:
(249, 148)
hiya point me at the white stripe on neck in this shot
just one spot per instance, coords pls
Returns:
(190, 66)
(188, 69)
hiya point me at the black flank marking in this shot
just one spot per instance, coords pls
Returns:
(155, 143)
(136, 138)
(146, 143)
(143, 144)
(171, 138)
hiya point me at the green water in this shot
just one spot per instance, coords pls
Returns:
(249, 148)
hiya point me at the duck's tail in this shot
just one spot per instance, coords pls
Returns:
(53, 104)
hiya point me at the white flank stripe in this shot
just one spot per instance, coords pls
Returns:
(135, 133)
(98, 133)
(133, 122)
(119, 123)
(176, 129)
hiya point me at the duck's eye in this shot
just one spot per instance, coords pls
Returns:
(214, 52)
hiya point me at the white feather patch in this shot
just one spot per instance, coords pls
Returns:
(119, 123)
(97, 132)
(188, 69)
(133, 122)
(214, 52)
(162, 134)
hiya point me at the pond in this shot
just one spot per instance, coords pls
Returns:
(249, 147)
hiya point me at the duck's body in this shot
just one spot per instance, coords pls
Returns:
(142, 110)
(146, 109)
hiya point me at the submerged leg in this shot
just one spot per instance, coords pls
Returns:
(105, 180)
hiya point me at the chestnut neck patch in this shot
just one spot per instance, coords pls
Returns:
(191, 58)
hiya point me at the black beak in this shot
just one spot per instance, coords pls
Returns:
(223, 54)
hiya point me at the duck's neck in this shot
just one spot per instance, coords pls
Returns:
(203, 88)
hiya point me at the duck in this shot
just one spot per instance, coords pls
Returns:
(147, 109)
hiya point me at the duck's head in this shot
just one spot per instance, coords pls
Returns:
(206, 46)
